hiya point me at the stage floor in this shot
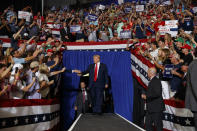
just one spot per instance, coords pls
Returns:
(105, 122)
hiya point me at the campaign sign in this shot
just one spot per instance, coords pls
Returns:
(167, 71)
(163, 30)
(167, 2)
(125, 34)
(127, 10)
(92, 17)
(139, 8)
(101, 7)
(171, 23)
(24, 15)
(170, 27)
(150, 29)
(143, 2)
(195, 9)
(75, 28)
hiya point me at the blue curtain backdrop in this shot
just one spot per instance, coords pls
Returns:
(119, 69)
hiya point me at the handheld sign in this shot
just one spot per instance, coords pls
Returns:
(195, 9)
(167, 71)
(170, 27)
(168, 2)
(143, 2)
(24, 15)
(75, 29)
(125, 34)
(92, 17)
(127, 10)
(139, 8)
(163, 30)
(101, 7)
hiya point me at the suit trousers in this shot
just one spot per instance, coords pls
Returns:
(83, 108)
(97, 98)
(154, 118)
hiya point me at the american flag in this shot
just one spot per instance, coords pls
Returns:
(29, 115)
(176, 117)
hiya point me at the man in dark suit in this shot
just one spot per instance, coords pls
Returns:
(191, 89)
(83, 101)
(98, 80)
(65, 32)
(154, 102)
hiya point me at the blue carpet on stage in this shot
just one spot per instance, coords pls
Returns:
(119, 70)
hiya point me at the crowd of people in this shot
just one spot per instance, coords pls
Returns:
(28, 70)
(31, 67)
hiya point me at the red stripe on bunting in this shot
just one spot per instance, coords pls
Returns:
(53, 29)
(7, 40)
(175, 104)
(166, 129)
(50, 22)
(142, 59)
(139, 79)
(27, 102)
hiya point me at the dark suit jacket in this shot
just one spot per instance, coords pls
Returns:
(64, 33)
(79, 101)
(102, 78)
(191, 89)
(154, 96)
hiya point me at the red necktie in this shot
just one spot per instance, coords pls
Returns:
(95, 73)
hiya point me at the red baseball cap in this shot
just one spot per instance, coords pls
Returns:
(49, 50)
(186, 46)
(124, 21)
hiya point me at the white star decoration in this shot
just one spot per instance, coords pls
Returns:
(36, 119)
(188, 122)
(26, 120)
(16, 122)
(166, 117)
(177, 120)
(3, 123)
(44, 118)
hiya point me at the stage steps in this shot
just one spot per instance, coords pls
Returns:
(105, 122)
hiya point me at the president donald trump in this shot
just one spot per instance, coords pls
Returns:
(98, 81)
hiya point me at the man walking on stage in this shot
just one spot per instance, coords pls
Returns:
(98, 80)
(154, 102)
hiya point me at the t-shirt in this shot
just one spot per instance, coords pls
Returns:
(32, 92)
(187, 59)
(188, 24)
(14, 43)
(139, 32)
(156, 26)
(167, 61)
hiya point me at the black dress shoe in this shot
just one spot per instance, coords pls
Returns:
(100, 113)
(94, 113)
